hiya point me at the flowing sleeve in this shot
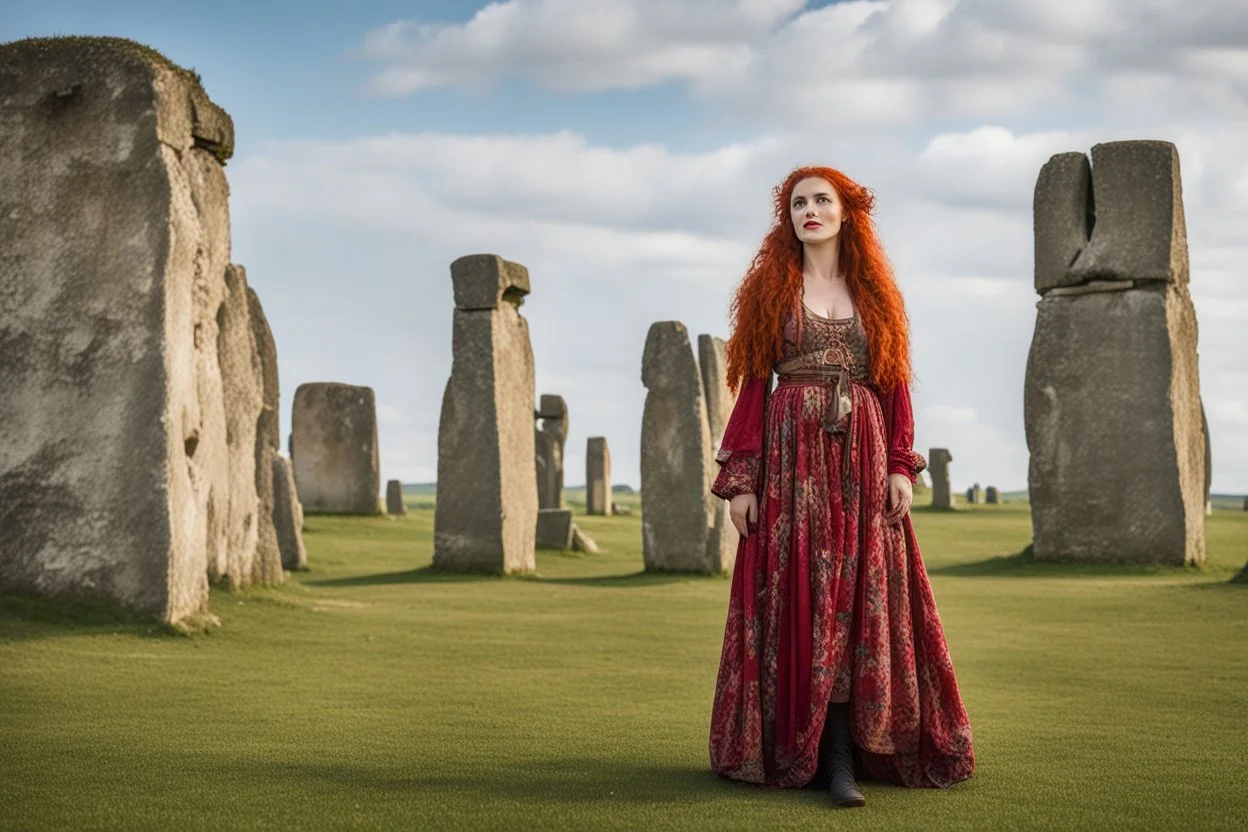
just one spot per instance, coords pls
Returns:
(899, 423)
(741, 449)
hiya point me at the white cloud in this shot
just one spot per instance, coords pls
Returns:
(855, 61)
(949, 413)
(574, 45)
(1231, 413)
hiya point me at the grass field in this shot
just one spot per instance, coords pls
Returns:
(372, 693)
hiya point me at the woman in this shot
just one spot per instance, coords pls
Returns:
(832, 639)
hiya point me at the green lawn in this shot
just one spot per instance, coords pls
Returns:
(371, 693)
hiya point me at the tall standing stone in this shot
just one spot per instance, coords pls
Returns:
(394, 498)
(242, 377)
(486, 512)
(1112, 394)
(992, 496)
(337, 464)
(1204, 426)
(268, 441)
(552, 434)
(938, 460)
(597, 476)
(974, 494)
(114, 241)
(677, 509)
(287, 515)
(713, 366)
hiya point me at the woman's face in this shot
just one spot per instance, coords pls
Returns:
(816, 211)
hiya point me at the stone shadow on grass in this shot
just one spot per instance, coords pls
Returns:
(1024, 565)
(423, 575)
(28, 618)
(632, 579)
(430, 575)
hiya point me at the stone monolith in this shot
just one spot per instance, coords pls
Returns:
(597, 476)
(992, 496)
(114, 241)
(678, 511)
(938, 460)
(242, 379)
(1112, 394)
(551, 435)
(486, 511)
(268, 440)
(287, 514)
(336, 464)
(713, 367)
(554, 528)
(394, 498)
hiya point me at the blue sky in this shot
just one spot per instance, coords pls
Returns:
(624, 150)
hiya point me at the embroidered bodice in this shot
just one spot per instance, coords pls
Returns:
(839, 341)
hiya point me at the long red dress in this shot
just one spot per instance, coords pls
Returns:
(828, 602)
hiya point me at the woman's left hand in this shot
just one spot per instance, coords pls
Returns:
(900, 496)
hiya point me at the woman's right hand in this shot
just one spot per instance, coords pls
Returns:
(743, 510)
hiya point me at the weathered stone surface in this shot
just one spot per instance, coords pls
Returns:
(337, 465)
(938, 460)
(394, 498)
(114, 239)
(1111, 397)
(554, 528)
(552, 434)
(992, 496)
(487, 281)
(713, 366)
(678, 511)
(268, 442)
(582, 542)
(552, 407)
(486, 512)
(1121, 354)
(597, 476)
(1140, 232)
(243, 390)
(1061, 211)
(1204, 427)
(287, 514)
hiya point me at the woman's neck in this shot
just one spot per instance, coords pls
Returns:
(822, 261)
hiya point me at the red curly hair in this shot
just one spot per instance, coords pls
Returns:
(772, 287)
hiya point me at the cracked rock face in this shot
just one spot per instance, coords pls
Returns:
(115, 476)
(1112, 395)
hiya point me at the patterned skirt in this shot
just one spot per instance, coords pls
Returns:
(830, 604)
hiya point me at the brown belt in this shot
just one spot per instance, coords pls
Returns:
(840, 408)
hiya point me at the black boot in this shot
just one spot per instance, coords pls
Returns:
(839, 760)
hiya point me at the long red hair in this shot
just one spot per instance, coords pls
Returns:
(772, 287)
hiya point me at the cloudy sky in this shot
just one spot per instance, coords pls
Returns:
(624, 151)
